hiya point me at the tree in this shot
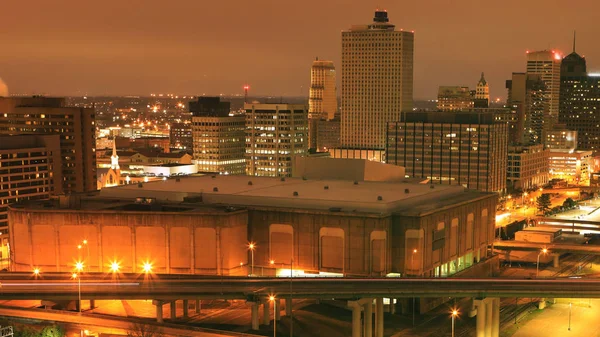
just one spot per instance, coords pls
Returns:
(52, 331)
(569, 203)
(543, 202)
(144, 330)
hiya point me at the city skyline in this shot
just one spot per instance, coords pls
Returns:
(129, 49)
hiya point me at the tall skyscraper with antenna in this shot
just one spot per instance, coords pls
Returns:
(546, 64)
(377, 85)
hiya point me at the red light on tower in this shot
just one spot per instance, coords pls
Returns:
(246, 88)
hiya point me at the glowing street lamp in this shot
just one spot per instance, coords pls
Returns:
(252, 247)
(412, 259)
(75, 276)
(454, 314)
(115, 267)
(79, 266)
(537, 271)
(147, 267)
(36, 272)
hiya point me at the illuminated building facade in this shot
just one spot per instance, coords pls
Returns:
(580, 102)
(482, 93)
(572, 166)
(275, 134)
(30, 169)
(464, 148)
(454, 98)
(527, 167)
(560, 138)
(322, 102)
(219, 139)
(75, 126)
(377, 83)
(180, 136)
(527, 103)
(546, 64)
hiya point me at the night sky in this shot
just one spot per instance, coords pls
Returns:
(122, 47)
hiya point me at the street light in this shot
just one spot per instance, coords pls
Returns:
(252, 246)
(570, 316)
(272, 262)
(272, 299)
(147, 267)
(537, 268)
(36, 272)
(75, 276)
(454, 314)
(115, 266)
(412, 259)
(85, 243)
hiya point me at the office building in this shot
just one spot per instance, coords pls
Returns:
(482, 93)
(377, 83)
(546, 64)
(572, 166)
(322, 103)
(463, 148)
(560, 138)
(180, 136)
(528, 167)
(454, 98)
(328, 134)
(75, 126)
(275, 134)
(30, 169)
(219, 139)
(580, 101)
(527, 102)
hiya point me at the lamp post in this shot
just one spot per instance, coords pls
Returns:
(78, 267)
(272, 299)
(272, 262)
(454, 314)
(412, 259)
(570, 316)
(85, 243)
(252, 246)
(537, 268)
(523, 198)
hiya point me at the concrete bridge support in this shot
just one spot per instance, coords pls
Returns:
(173, 306)
(488, 317)
(288, 306)
(366, 305)
(277, 309)
(556, 260)
(186, 305)
(198, 306)
(254, 315)
(266, 313)
(159, 311)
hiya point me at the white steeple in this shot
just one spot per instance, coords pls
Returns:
(114, 159)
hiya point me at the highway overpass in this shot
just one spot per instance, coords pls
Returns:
(561, 248)
(169, 289)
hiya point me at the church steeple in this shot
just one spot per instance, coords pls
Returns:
(114, 159)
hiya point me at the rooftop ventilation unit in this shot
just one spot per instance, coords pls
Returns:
(215, 189)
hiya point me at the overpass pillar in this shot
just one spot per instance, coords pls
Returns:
(392, 306)
(368, 320)
(495, 317)
(92, 304)
(556, 258)
(159, 311)
(489, 313)
(481, 317)
(356, 309)
(379, 317)
(288, 306)
(277, 309)
(254, 316)
(173, 309)
(198, 306)
(186, 305)
(266, 313)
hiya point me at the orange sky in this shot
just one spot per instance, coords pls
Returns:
(68, 47)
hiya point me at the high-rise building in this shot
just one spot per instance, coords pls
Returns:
(328, 134)
(180, 136)
(75, 126)
(377, 82)
(30, 169)
(464, 148)
(275, 134)
(580, 101)
(527, 102)
(322, 103)
(218, 138)
(528, 167)
(546, 64)
(482, 93)
(454, 98)
(560, 138)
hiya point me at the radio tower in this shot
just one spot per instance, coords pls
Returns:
(246, 88)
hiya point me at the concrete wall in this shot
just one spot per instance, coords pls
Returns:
(346, 169)
(173, 243)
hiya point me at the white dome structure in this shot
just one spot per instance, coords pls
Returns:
(3, 89)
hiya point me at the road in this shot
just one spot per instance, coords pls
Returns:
(303, 288)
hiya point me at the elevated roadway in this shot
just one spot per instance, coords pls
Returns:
(552, 247)
(134, 287)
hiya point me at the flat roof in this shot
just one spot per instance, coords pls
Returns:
(378, 197)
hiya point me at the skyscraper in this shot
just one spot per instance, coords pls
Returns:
(218, 139)
(454, 98)
(482, 93)
(580, 101)
(50, 116)
(546, 64)
(377, 82)
(275, 134)
(527, 102)
(322, 103)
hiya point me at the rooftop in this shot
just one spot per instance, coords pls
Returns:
(347, 196)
